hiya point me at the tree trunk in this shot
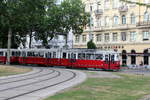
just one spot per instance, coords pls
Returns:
(9, 46)
(30, 41)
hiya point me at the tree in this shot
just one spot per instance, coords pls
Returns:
(91, 45)
(63, 18)
(44, 18)
(137, 3)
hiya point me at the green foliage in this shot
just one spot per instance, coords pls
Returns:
(91, 45)
(40, 18)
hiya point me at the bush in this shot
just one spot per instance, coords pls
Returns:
(91, 45)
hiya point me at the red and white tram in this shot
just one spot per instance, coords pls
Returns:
(70, 58)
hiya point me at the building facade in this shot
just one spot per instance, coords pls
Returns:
(118, 25)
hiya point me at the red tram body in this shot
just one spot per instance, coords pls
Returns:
(70, 58)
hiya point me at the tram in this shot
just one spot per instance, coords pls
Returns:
(70, 58)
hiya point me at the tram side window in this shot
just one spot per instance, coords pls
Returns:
(18, 53)
(69, 56)
(106, 58)
(112, 57)
(13, 53)
(116, 57)
(48, 55)
(30, 54)
(41, 54)
(73, 56)
(99, 56)
(1, 53)
(64, 55)
(90, 56)
(54, 54)
(81, 56)
(23, 54)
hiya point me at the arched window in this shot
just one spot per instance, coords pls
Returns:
(123, 19)
(146, 16)
(133, 19)
(115, 20)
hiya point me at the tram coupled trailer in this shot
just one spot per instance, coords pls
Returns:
(14, 55)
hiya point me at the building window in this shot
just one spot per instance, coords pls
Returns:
(92, 22)
(123, 36)
(115, 20)
(77, 38)
(106, 4)
(123, 19)
(146, 16)
(132, 19)
(132, 36)
(106, 21)
(146, 1)
(99, 37)
(146, 35)
(115, 36)
(115, 3)
(83, 38)
(106, 37)
(98, 22)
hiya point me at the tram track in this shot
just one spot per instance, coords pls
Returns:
(23, 75)
(28, 78)
(45, 87)
(32, 82)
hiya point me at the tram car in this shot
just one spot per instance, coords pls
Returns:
(70, 58)
(14, 55)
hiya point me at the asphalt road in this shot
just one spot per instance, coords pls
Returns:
(39, 83)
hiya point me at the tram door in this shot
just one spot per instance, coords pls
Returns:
(72, 58)
(108, 60)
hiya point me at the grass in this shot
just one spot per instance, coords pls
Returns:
(129, 87)
(9, 70)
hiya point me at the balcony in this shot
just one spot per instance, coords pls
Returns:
(143, 23)
(123, 8)
(98, 12)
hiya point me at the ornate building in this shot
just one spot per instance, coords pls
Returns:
(118, 25)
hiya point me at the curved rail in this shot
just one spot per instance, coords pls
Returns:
(72, 77)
